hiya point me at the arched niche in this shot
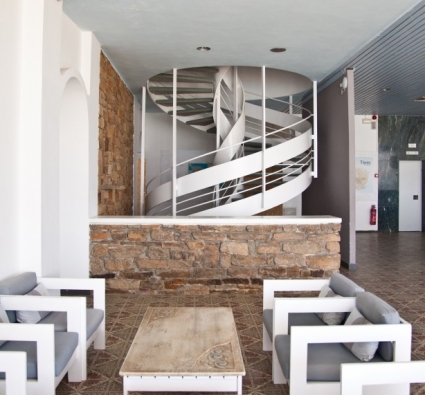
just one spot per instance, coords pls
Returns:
(74, 177)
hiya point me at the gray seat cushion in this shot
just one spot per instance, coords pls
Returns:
(65, 345)
(20, 284)
(343, 286)
(324, 359)
(94, 317)
(378, 312)
(298, 319)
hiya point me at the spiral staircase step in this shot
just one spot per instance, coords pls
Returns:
(201, 121)
(168, 90)
(180, 78)
(200, 100)
(191, 111)
(212, 130)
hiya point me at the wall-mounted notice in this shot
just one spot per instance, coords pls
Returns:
(364, 175)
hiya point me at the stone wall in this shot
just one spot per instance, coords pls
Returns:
(115, 196)
(199, 259)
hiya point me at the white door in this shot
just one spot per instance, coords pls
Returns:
(410, 195)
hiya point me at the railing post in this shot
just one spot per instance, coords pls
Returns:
(235, 94)
(217, 138)
(263, 192)
(142, 153)
(315, 154)
(174, 170)
(290, 104)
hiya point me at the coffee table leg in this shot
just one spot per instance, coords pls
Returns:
(239, 385)
(124, 381)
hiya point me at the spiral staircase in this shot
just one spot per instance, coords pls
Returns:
(264, 153)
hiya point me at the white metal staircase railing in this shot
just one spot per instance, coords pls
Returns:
(239, 182)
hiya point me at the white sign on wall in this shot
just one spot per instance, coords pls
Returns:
(364, 175)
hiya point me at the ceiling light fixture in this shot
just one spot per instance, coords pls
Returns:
(278, 50)
(385, 89)
(203, 49)
(420, 99)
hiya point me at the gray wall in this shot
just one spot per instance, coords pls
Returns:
(333, 192)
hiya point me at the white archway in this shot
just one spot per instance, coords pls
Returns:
(74, 178)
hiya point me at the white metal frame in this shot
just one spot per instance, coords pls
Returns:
(272, 286)
(43, 334)
(355, 376)
(301, 336)
(14, 364)
(175, 383)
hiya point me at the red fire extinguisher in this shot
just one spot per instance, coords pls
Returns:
(373, 215)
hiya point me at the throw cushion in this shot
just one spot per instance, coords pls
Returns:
(32, 317)
(3, 319)
(330, 318)
(378, 312)
(343, 286)
(364, 351)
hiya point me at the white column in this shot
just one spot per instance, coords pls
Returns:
(174, 170)
(142, 153)
(235, 94)
(315, 172)
(290, 104)
(263, 78)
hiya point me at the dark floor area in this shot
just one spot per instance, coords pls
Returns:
(391, 265)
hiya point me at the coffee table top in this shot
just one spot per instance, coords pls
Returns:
(187, 341)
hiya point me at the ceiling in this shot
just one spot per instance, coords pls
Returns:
(384, 40)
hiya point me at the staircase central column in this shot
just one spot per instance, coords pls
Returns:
(174, 170)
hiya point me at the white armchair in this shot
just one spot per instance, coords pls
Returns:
(57, 353)
(314, 367)
(14, 364)
(88, 323)
(340, 284)
(356, 377)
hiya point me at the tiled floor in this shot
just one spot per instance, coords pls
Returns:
(391, 265)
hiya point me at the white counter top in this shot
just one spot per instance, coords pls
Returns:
(269, 220)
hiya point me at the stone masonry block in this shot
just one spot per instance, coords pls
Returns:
(234, 248)
(323, 262)
(126, 251)
(303, 247)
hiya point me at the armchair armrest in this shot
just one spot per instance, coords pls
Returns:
(302, 336)
(97, 285)
(284, 306)
(14, 364)
(271, 286)
(44, 336)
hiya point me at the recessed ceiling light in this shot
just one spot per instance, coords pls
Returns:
(420, 99)
(203, 48)
(277, 49)
(385, 89)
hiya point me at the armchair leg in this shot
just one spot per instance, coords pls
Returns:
(99, 341)
(277, 374)
(267, 343)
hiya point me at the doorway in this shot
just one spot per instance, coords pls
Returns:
(410, 196)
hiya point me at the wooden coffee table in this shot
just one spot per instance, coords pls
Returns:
(185, 349)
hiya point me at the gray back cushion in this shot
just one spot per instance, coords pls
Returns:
(378, 312)
(343, 286)
(19, 284)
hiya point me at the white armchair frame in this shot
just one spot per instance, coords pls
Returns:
(272, 286)
(14, 364)
(355, 376)
(43, 334)
(97, 285)
(301, 336)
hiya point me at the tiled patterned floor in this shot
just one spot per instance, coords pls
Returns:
(391, 265)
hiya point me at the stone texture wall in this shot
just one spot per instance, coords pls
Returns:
(115, 196)
(199, 259)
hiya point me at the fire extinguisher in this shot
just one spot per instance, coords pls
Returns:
(373, 215)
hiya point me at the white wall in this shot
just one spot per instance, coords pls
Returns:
(10, 43)
(32, 86)
(366, 151)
